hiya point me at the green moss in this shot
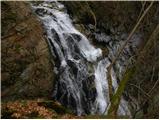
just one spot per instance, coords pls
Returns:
(115, 100)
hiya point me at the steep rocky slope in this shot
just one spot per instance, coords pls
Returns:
(27, 69)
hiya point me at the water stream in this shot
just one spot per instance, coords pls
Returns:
(81, 68)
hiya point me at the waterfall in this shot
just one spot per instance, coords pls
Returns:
(81, 68)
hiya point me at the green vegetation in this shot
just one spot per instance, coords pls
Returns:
(115, 99)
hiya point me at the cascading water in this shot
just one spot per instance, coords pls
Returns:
(81, 68)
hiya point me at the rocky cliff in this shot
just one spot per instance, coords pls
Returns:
(27, 67)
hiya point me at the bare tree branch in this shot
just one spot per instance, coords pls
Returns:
(123, 46)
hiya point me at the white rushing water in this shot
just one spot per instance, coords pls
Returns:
(75, 54)
(102, 85)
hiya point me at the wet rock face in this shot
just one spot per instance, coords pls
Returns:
(91, 93)
(73, 66)
(26, 66)
(75, 86)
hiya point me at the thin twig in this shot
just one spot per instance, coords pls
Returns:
(132, 32)
(143, 5)
(140, 89)
(153, 87)
(123, 46)
(153, 73)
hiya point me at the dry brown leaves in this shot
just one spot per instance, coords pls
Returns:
(28, 109)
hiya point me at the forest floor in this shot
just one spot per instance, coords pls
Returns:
(42, 109)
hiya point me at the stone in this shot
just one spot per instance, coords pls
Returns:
(17, 59)
(102, 37)
(21, 27)
(112, 30)
(5, 76)
(92, 27)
